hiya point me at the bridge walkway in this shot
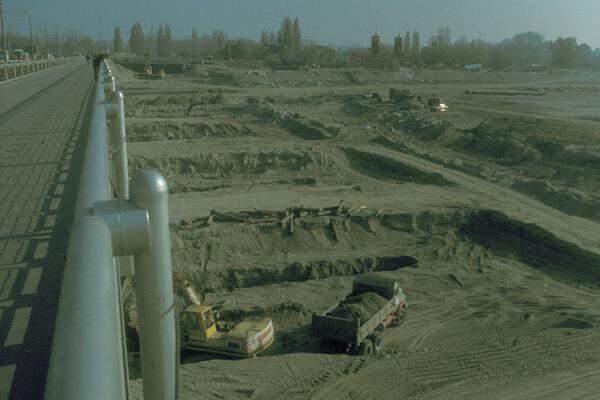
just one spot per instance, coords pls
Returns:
(43, 121)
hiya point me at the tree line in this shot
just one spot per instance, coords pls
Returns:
(523, 50)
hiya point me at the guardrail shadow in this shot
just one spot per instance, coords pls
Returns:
(37, 270)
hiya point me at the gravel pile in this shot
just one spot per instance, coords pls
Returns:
(362, 306)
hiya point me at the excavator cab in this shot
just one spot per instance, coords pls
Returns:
(201, 323)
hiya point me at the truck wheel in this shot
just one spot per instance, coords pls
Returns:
(377, 347)
(400, 317)
(365, 348)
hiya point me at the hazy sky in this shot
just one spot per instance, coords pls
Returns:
(328, 21)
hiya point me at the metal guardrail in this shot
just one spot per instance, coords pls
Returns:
(13, 71)
(88, 358)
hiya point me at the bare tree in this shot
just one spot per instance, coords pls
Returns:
(407, 48)
(168, 42)
(136, 40)
(117, 40)
(160, 41)
(415, 50)
(296, 35)
(195, 39)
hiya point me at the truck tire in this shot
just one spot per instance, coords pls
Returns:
(365, 348)
(400, 317)
(377, 343)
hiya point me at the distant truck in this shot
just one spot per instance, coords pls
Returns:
(354, 335)
(436, 104)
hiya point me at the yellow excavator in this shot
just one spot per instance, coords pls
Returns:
(149, 73)
(201, 332)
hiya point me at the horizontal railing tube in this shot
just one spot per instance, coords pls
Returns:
(87, 361)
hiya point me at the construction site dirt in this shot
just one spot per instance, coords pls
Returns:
(286, 184)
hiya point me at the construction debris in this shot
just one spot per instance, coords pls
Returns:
(284, 218)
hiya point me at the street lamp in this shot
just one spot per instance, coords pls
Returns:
(3, 33)
(29, 23)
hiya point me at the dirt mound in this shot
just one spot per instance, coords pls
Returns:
(391, 144)
(360, 307)
(211, 165)
(562, 199)
(308, 129)
(302, 127)
(168, 130)
(420, 124)
(385, 168)
(534, 246)
(164, 101)
(357, 105)
(304, 271)
(496, 145)
(573, 323)
(266, 113)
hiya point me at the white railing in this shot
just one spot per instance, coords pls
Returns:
(12, 71)
(89, 356)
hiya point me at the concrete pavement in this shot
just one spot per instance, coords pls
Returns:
(43, 121)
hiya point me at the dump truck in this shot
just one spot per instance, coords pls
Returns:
(149, 73)
(344, 329)
(436, 104)
(201, 332)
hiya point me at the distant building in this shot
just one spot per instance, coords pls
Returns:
(375, 45)
(398, 46)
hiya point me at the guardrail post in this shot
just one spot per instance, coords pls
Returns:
(110, 85)
(154, 290)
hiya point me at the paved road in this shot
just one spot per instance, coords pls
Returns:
(42, 121)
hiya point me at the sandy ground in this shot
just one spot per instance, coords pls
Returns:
(497, 199)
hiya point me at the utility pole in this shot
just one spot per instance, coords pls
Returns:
(30, 31)
(5, 47)
(46, 38)
(28, 13)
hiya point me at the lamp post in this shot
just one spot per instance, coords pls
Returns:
(4, 46)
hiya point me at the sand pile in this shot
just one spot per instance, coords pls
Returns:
(360, 307)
